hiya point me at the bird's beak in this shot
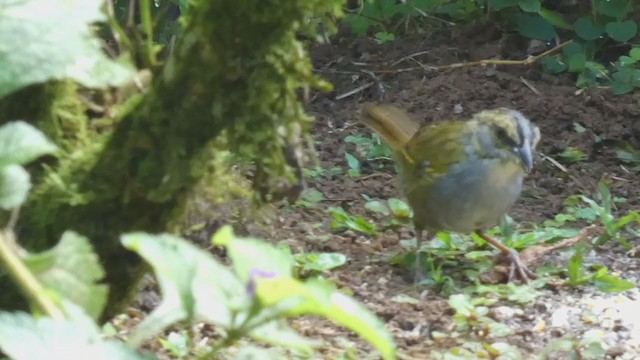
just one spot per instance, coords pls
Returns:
(526, 156)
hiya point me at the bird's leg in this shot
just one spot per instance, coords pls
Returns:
(419, 275)
(516, 263)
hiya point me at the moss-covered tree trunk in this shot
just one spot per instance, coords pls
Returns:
(234, 72)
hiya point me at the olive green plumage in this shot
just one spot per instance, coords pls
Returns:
(459, 175)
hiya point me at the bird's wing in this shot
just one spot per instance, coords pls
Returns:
(436, 147)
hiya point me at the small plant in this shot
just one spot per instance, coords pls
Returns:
(400, 211)
(354, 165)
(601, 278)
(571, 155)
(342, 220)
(252, 298)
(471, 315)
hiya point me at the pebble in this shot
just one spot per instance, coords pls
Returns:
(502, 313)
(560, 317)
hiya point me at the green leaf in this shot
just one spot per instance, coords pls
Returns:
(572, 155)
(23, 337)
(572, 49)
(249, 256)
(320, 261)
(574, 270)
(627, 60)
(622, 81)
(577, 62)
(192, 282)
(21, 143)
(319, 298)
(461, 304)
(399, 208)
(622, 30)
(58, 270)
(587, 30)
(383, 37)
(553, 65)
(15, 184)
(529, 5)
(46, 40)
(535, 27)
(555, 18)
(377, 206)
(635, 53)
(343, 220)
(610, 283)
(359, 24)
(501, 4)
(613, 8)
(354, 164)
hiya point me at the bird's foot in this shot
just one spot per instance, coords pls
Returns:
(519, 269)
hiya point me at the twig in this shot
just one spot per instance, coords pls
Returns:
(411, 56)
(534, 253)
(530, 86)
(554, 162)
(374, 175)
(354, 91)
(23, 277)
(528, 61)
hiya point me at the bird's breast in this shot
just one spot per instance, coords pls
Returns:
(470, 196)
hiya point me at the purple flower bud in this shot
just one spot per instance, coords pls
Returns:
(258, 273)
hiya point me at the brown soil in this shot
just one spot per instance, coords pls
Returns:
(553, 103)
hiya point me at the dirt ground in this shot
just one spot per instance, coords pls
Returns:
(553, 103)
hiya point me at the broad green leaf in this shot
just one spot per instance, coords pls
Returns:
(553, 65)
(23, 337)
(44, 40)
(622, 81)
(613, 8)
(253, 258)
(572, 49)
(319, 298)
(383, 37)
(192, 282)
(58, 270)
(587, 30)
(461, 304)
(320, 261)
(399, 208)
(635, 53)
(577, 62)
(535, 27)
(343, 220)
(622, 30)
(555, 18)
(15, 184)
(313, 195)
(377, 206)
(627, 60)
(529, 5)
(21, 143)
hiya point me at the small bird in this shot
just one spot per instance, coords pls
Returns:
(461, 175)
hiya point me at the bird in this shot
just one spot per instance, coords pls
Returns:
(460, 175)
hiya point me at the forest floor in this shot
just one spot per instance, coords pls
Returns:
(420, 317)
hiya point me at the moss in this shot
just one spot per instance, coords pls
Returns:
(235, 73)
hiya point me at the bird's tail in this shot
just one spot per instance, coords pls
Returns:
(393, 124)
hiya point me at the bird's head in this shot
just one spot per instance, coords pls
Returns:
(511, 131)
